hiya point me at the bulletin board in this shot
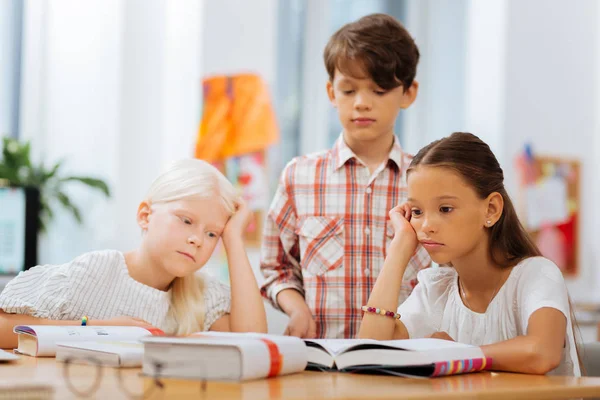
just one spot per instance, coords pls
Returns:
(551, 196)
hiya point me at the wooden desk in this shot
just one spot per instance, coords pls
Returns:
(307, 385)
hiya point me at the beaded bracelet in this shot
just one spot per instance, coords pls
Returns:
(84, 320)
(381, 311)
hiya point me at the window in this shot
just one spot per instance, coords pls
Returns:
(288, 92)
(11, 18)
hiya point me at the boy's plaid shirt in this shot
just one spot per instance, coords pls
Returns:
(327, 232)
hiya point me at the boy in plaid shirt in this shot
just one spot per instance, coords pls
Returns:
(328, 227)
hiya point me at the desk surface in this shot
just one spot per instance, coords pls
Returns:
(304, 385)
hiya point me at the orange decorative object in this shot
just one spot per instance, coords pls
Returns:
(237, 118)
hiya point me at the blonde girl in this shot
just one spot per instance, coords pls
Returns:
(187, 210)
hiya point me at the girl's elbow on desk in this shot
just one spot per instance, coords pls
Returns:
(543, 360)
(531, 357)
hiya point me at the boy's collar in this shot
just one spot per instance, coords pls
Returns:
(342, 153)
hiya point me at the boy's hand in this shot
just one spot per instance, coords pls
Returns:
(238, 222)
(404, 233)
(302, 325)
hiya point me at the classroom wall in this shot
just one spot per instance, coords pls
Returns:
(552, 89)
(240, 36)
(552, 102)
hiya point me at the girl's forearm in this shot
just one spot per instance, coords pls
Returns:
(247, 307)
(8, 339)
(385, 295)
(524, 354)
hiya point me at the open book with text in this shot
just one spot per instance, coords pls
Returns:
(410, 357)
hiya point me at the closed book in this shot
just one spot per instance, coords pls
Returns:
(6, 356)
(41, 340)
(223, 356)
(105, 353)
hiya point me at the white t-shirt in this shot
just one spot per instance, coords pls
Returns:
(435, 305)
(98, 285)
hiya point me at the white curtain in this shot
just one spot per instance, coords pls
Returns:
(112, 87)
(10, 56)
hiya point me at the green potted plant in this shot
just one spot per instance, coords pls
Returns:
(16, 169)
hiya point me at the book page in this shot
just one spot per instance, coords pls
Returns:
(424, 344)
(338, 346)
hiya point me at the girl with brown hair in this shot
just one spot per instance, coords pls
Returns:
(493, 289)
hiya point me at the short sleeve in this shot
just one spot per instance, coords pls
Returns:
(42, 291)
(422, 311)
(217, 300)
(540, 285)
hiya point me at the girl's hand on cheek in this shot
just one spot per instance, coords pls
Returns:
(404, 234)
(238, 222)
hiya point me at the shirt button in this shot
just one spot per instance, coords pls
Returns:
(367, 272)
(367, 231)
(369, 190)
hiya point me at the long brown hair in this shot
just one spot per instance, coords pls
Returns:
(473, 159)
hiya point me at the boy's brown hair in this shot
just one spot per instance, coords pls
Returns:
(381, 45)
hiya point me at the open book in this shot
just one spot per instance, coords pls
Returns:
(410, 357)
(223, 356)
(41, 340)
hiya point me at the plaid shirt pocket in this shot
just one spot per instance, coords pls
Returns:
(321, 244)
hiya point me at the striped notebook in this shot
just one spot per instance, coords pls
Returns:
(461, 366)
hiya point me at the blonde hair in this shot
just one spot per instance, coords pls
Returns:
(184, 179)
